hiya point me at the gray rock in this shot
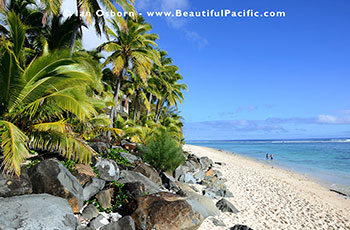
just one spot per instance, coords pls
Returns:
(168, 182)
(217, 192)
(205, 162)
(92, 188)
(125, 223)
(99, 147)
(149, 172)
(36, 211)
(14, 186)
(130, 176)
(98, 222)
(225, 206)
(217, 222)
(50, 176)
(134, 189)
(90, 212)
(199, 176)
(130, 157)
(187, 178)
(180, 171)
(201, 204)
(107, 169)
(240, 227)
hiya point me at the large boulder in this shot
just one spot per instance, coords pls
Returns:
(130, 176)
(104, 198)
(134, 189)
(89, 212)
(164, 211)
(36, 211)
(84, 173)
(125, 223)
(180, 171)
(50, 176)
(130, 157)
(14, 186)
(149, 172)
(205, 163)
(107, 169)
(99, 147)
(92, 188)
(201, 204)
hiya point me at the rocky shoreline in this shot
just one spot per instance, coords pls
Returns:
(121, 193)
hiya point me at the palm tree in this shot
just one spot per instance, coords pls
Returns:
(91, 8)
(131, 48)
(35, 98)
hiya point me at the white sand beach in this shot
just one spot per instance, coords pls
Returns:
(273, 198)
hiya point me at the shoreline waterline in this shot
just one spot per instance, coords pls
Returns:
(324, 162)
(269, 197)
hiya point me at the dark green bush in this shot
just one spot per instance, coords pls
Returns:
(163, 152)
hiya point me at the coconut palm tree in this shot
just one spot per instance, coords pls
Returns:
(131, 48)
(91, 8)
(37, 98)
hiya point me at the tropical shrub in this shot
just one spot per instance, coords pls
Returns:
(163, 152)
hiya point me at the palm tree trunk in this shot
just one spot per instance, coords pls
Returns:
(136, 104)
(150, 103)
(160, 111)
(76, 28)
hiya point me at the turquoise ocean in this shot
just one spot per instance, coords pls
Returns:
(327, 161)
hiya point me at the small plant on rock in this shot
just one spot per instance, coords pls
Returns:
(163, 152)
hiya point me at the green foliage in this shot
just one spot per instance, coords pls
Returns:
(32, 163)
(163, 152)
(119, 198)
(69, 164)
(114, 154)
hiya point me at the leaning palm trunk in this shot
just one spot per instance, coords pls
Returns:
(150, 103)
(136, 105)
(160, 111)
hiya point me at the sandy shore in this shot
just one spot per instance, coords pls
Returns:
(273, 198)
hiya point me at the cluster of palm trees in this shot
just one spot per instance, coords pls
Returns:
(55, 96)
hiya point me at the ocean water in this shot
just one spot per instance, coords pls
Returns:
(326, 161)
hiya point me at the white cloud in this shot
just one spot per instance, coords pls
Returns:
(329, 119)
(196, 38)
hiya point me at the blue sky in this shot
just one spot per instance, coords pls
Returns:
(260, 78)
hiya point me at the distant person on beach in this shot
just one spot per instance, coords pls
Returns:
(267, 156)
(271, 156)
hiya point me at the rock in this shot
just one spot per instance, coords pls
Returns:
(187, 178)
(50, 176)
(164, 211)
(98, 222)
(130, 176)
(216, 192)
(128, 146)
(104, 198)
(149, 172)
(107, 169)
(14, 186)
(130, 157)
(92, 188)
(125, 223)
(99, 147)
(217, 173)
(201, 204)
(83, 173)
(134, 189)
(240, 227)
(36, 211)
(210, 172)
(180, 171)
(225, 206)
(217, 222)
(90, 212)
(169, 182)
(205, 162)
(199, 176)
